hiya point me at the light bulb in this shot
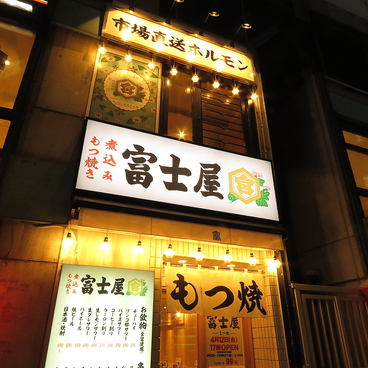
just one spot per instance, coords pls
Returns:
(216, 84)
(252, 260)
(151, 65)
(254, 96)
(102, 50)
(228, 257)
(235, 90)
(199, 255)
(173, 71)
(105, 245)
(68, 241)
(273, 262)
(169, 252)
(128, 57)
(139, 249)
(7, 62)
(195, 78)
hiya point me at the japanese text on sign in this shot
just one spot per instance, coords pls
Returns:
(104, 312)
(126, 162)
(208, 292)
(131, 28)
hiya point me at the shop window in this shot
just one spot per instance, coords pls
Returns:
(201, 113)
(349, 67)
(222, 119)
(364, 203)
(180, 107)
(4, 127)
(15, 47)
(357, 149)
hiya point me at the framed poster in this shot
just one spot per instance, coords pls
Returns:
(126, 91)
(103, 318)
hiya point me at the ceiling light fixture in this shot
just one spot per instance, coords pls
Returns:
(169, 252)
(105, 245)
(199, 255)
(252, 260)
(228, 257)
(139, 248)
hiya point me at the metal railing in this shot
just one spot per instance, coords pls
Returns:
(333, 326)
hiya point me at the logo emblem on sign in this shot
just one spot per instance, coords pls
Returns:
(248, 187)
(136, 287)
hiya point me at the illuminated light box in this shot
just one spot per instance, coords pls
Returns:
(173, 42)
(125, 162)
(103, 318)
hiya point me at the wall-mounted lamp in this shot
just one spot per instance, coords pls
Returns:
(199, 255)
(216, 83)
(173, 70)
(214, 12)
(274, 262)
(105, 245)
(169, 252)
(128, 57)
(195, 77)
(102, 50)
(171, 10)
(252, 260)
(228, 257)
(235, 90)
(151, 64)
(254, 96)
(68, 241)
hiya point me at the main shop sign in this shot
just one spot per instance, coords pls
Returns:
(175, 43)
(215, 293)
(130, 163)
(103, 318)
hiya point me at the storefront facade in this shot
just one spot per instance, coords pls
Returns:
(119, 160)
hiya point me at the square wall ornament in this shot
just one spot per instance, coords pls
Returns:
(125, 91)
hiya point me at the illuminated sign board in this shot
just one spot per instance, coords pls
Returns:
(161, 38)
(126, 162)
(103, 318)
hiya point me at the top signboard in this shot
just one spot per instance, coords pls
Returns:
(161, 38)
(130, 163)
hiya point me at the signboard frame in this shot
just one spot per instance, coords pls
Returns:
(101, 315)
(84, 188)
